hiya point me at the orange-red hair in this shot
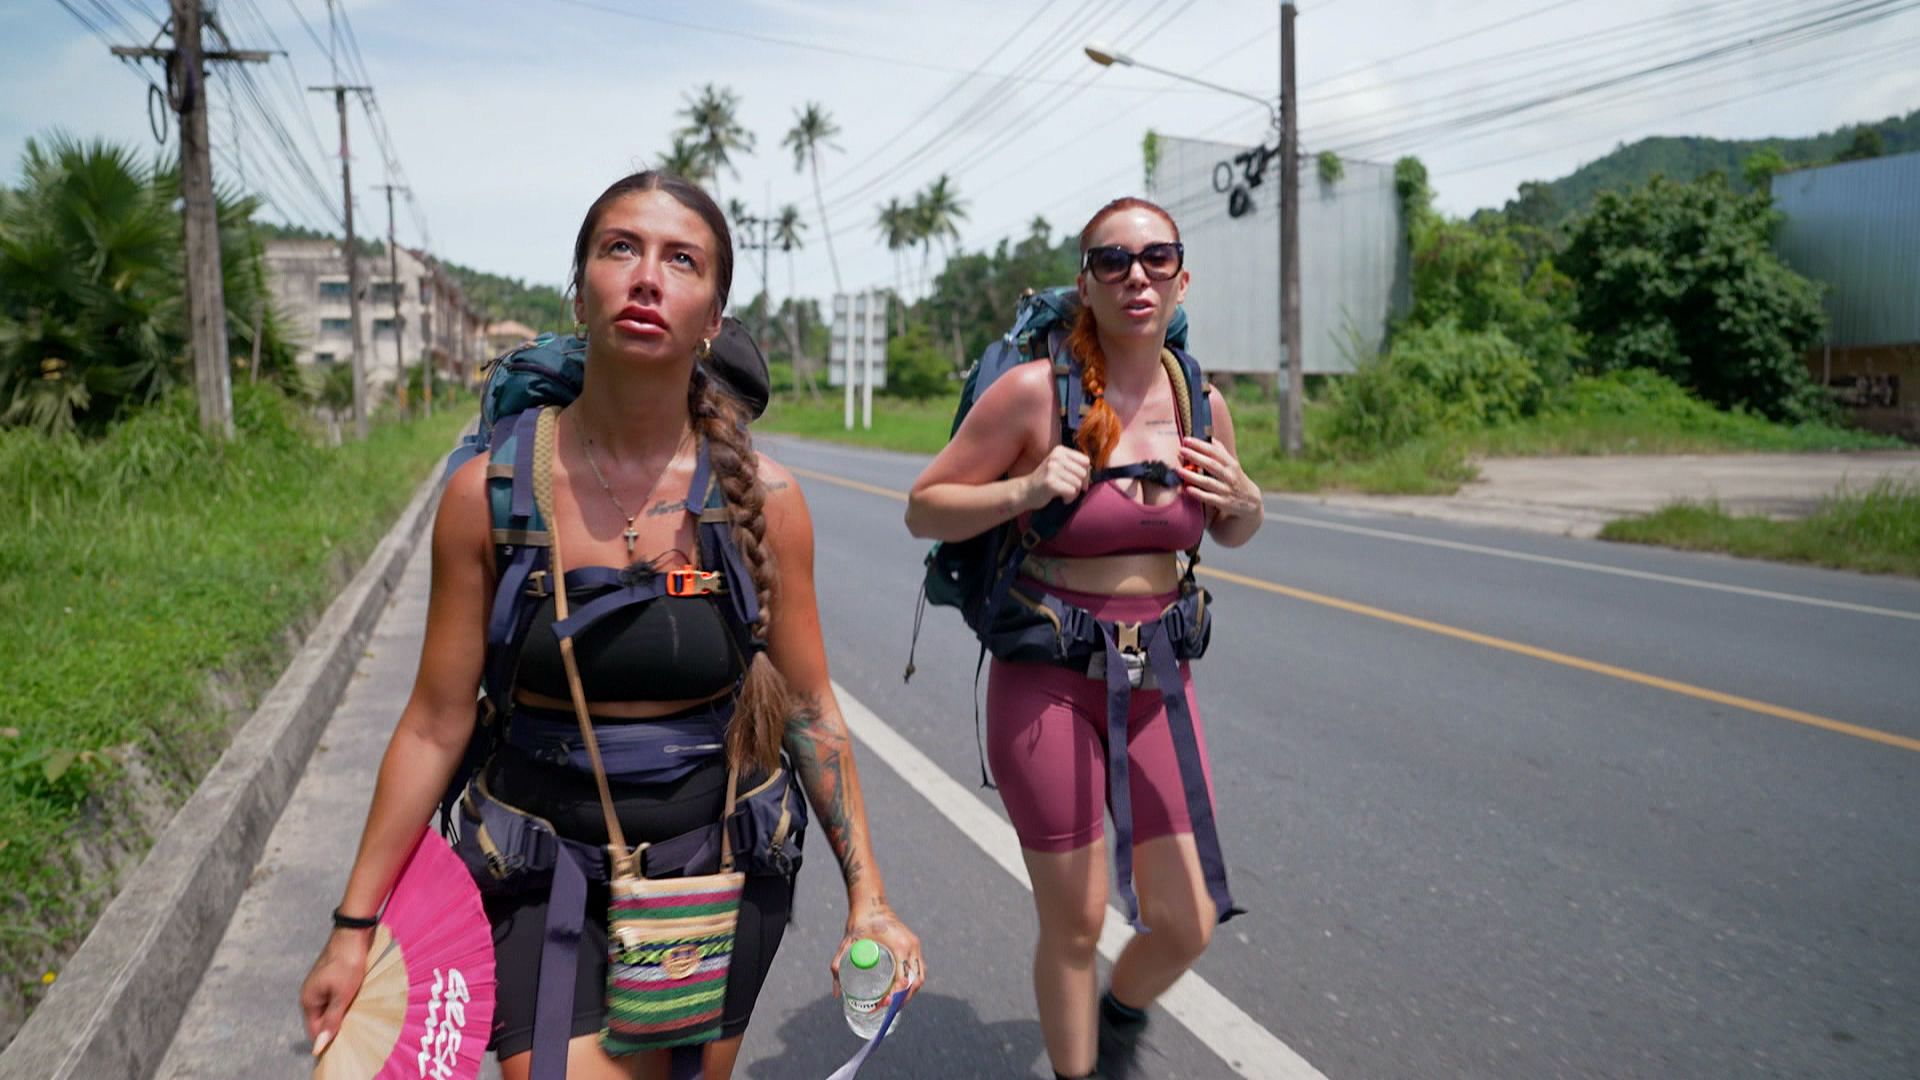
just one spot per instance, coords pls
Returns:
(1100, 427)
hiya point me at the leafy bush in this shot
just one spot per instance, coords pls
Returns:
(916, 368)
(1682, 279)
(1434, 377)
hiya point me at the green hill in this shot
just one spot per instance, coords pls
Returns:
(1687, 157)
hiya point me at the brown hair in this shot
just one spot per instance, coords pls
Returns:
(1100, 427)
(766, 703)
(687, 194)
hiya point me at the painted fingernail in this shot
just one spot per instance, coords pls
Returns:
(320, 1043)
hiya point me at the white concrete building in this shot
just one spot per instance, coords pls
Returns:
(310, 282)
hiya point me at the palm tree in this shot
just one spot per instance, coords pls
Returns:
(896, 225)
(685, 159)
(941, 211)
(786, 233)
(713, 126)
(813, 128)
(92, 313)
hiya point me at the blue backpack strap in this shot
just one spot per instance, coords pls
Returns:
(718, 551)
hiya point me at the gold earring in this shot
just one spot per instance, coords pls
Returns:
(705, 350)
(580, 330)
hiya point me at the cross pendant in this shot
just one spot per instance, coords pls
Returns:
(631, 537)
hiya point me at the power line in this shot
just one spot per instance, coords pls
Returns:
(1835, 18)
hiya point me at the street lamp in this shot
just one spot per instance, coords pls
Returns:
(1284, 116)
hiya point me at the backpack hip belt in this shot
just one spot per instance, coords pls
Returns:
(1055, 632)
(654, 751)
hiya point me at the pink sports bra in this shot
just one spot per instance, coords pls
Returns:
(1108, 521)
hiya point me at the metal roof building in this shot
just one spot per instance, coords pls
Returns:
(1855, 227)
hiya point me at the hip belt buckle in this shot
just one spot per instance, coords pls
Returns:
(1127, 637)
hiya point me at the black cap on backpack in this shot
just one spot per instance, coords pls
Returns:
(740, 366)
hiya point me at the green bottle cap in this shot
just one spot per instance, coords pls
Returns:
(864, 954)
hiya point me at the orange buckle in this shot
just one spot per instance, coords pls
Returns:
(690, 581)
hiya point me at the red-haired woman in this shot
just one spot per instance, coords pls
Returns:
(1115, 558)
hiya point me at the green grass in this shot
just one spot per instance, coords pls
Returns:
(1876, 531)
(918, 427)
(1637, 413)
(1629, 412)
(138, 573)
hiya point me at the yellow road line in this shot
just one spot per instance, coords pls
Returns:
(1672, 686)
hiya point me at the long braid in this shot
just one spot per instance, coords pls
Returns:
(766, 702)
(1100, 426)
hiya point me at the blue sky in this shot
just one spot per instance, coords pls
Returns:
(508, 116)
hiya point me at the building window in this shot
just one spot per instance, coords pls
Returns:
(426, 293)
(324, 358)
(334, 290)
(383, 292)
(383, 326)
(336, 326)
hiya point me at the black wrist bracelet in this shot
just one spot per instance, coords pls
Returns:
(348, 922)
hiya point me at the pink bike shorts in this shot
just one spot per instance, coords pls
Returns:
(1047, 743)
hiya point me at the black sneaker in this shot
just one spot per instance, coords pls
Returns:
(1121, 1028)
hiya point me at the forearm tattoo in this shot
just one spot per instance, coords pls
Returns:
(819, 750)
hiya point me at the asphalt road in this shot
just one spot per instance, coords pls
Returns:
(1499, 805)
(1462, 859)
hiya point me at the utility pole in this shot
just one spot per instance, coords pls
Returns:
(399, 329)
(761, 228)
(1293, 400)
(206, 300)
(360, 403)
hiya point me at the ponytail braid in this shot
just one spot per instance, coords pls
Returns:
(1100, 425)
(766, 702)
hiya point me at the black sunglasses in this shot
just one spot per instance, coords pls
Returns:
(1111, 263)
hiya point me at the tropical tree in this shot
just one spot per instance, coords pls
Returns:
(897, 225)
(92, 313)
(1683, 279)
(937, 212)
(713, 127)
(787, 228)
(813, 127)
(685, 159)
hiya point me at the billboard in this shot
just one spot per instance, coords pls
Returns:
(1353, 255)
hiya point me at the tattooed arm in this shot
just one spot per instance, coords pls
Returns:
(817, 739)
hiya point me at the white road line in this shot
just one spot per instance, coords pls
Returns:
(1246, 1047)
(1597, 568)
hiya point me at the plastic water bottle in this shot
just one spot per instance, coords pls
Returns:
(866, 982)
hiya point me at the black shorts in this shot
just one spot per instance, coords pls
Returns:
(648, 812)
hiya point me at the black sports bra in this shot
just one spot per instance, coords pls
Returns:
(669, 649)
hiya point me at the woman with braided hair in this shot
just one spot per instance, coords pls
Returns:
(1115, 558)
(652, 266)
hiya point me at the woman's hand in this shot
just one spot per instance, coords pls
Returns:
(332, 984)
(1062, 475)
(876, 920)
(1215, 477)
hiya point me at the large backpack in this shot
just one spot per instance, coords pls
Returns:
(974, 575)
(550, 370)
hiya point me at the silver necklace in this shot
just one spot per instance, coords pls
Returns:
(629, 534)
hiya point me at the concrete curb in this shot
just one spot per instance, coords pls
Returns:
(115, 1009)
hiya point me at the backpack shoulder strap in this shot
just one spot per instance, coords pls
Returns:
(520, 543)
(1190, 391)
(718, 551)
(1069, 392)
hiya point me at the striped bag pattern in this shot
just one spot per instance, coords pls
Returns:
(669, 946)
